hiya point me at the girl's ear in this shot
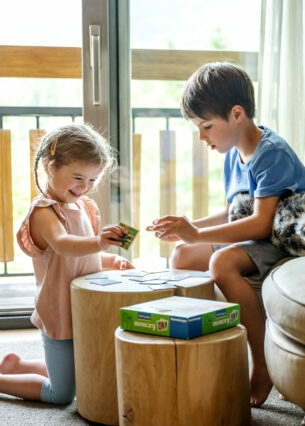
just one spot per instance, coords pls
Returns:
(47, 166)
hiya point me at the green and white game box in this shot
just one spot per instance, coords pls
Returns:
(181, 317)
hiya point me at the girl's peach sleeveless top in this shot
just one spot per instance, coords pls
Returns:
(53, 272)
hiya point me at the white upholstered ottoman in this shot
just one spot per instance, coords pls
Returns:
(283, 295)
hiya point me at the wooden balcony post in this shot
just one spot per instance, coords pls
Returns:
(200, 179)
(136, 189)
(167, 182)
(6, 198)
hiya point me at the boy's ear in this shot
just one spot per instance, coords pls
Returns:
(238, 113)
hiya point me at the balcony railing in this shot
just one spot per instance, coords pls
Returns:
(42, 62)
(147, 64)
(158, 166)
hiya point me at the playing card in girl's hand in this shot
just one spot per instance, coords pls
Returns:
(127, 239)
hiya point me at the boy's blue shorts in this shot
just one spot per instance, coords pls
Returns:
(263, 254)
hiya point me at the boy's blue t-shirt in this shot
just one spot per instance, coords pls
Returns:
(274, 169)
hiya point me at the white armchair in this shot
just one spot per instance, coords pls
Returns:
(283, 294)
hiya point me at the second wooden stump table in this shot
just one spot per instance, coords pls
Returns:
(164, 381)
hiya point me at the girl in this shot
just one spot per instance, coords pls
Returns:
(61, 233)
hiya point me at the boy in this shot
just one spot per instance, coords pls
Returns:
(219, 99)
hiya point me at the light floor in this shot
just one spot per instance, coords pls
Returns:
(17, 294)
(18, 335)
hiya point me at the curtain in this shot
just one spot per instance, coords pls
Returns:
(280, 103)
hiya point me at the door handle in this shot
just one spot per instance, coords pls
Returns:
(95, 62)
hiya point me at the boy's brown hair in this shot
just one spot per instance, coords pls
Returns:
(214, 89)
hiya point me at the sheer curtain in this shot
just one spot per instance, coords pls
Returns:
(281, 71)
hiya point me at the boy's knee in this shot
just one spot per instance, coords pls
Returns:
(213, 264)
(177, 260)
(219, 264)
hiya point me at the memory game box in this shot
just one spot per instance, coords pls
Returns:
(181, 317)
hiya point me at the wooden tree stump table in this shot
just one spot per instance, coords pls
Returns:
(173, 382)
(95, 316)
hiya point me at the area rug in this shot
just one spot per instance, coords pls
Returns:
(16, 412)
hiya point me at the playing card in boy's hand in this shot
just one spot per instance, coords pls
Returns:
(127, 239)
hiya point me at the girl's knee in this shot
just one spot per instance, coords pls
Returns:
(59, 397)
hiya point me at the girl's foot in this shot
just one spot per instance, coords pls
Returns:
(260, 387)
(9, 364)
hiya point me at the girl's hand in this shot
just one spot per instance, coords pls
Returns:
(120, 263)
(111, 235)
(174, 228)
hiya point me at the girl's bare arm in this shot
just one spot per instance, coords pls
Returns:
(47, 230)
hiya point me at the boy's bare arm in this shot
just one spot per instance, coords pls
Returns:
(213, 220)
(254, 227)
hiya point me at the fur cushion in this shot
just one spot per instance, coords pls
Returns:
(241, 206)
(289, 225)
(288, 232)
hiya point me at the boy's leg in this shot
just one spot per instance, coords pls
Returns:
(192, 256)
(227, 267)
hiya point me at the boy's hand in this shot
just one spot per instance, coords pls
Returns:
(174, 228)
(170, 239)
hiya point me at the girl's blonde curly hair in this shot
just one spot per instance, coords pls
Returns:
(75, 142)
